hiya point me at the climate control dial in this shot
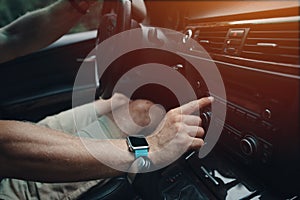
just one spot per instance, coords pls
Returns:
(249, 145)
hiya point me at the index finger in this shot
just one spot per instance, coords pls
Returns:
(195, 105)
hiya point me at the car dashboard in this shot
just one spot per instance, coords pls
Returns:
(255, 46)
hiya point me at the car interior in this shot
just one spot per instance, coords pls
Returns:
(254, 45)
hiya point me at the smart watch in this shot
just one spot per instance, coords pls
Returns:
(138, 144)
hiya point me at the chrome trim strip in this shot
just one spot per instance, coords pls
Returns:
(267, 20)
(243, 22)
(264, 44)
(244, 67)
(251, 60)
(207, 174)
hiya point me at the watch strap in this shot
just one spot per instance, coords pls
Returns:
(141, 153)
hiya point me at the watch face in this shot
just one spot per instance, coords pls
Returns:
(138, 141)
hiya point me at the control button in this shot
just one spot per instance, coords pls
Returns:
(198, 84)
(205, 42)
(267, 114)
(231, 50)
(188, 34)
(205, 117)
(209, 176)
(171, 180)
(174, 178)
(196, 34)
(248, 145)
(234, 42)
(238, 33)
(178, 66)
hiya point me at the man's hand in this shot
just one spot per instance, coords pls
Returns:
(178, 132)
(131, 117)
(137, 117)
(103, 106)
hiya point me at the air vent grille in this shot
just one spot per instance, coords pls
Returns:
(273, 42)
(211, 38)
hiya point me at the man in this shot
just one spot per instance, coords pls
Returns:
(36, 153)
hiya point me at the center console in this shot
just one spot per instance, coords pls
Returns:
(214, 177)
(259, 62)
(257, 156)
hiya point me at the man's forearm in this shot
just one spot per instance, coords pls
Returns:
(37, 29)
(36, 153)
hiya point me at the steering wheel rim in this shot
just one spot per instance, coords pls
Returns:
(123, 16)
(115, 18)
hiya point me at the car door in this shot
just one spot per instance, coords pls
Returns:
(41, 84)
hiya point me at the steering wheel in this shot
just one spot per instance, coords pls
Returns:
(115, 18)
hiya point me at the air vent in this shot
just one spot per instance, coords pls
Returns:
(278, 42)
(211, 38)
(235, 40)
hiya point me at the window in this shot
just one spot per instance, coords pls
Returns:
(12, 9)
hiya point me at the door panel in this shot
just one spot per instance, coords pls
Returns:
(41, 83)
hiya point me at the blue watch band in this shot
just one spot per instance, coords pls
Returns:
(141, 152)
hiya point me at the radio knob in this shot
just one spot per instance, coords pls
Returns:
(188, 34)
(249, 145)
(267, 114)
(205, 117)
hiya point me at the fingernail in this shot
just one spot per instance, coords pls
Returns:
(211, 98)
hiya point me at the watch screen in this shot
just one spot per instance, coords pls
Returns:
(137, 141)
